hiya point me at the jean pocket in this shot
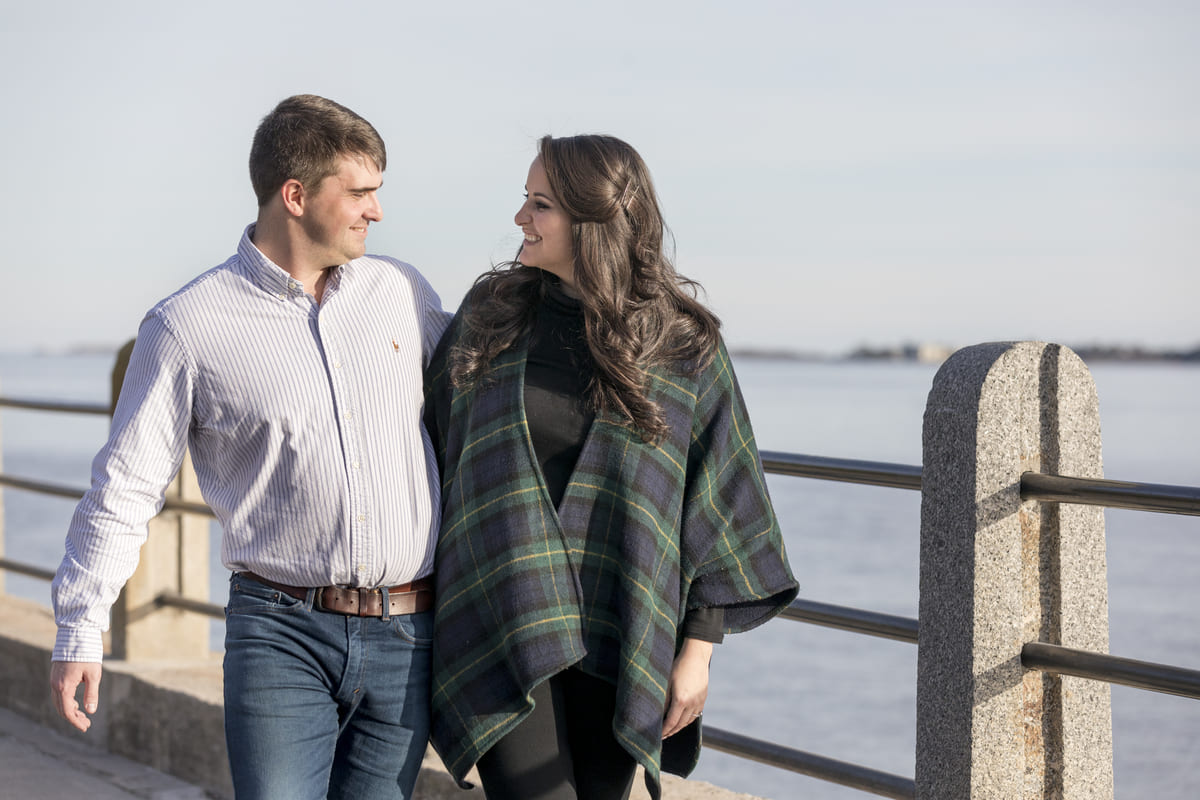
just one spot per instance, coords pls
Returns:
(248, 596)
(416, 629)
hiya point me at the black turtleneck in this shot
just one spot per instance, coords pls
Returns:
(556, 377)
(557, 372)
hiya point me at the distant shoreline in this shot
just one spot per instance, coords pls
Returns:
(923, 354)
(935, 354)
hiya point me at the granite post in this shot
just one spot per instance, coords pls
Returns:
(997, 572)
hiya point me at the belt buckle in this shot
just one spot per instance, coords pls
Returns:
(363, 594)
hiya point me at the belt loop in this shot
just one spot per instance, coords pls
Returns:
(383, 596)
(310, 600)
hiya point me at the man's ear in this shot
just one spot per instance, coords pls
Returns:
(293, 196)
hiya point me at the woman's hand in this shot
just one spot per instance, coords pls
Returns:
(688, 688)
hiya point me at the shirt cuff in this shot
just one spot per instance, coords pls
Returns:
(78, 644)
(705, 624)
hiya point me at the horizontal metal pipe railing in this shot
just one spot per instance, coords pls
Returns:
(54, 405)
(1159, 497)
(846, 470)
(1156, 497)
(41, 487)
(854, 776)
(1163, 498)
(1113, 669)
(75, 493)
(27, 569)
(175, 600)
(188, 507)
(855, 620)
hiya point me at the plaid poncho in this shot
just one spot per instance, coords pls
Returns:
(643, 533)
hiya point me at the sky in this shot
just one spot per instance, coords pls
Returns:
(835, 174)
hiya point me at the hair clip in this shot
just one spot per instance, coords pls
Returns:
(627, 195)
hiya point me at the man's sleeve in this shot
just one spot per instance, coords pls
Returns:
(129, 477)
(435, 323)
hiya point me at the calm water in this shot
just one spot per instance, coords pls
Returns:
(833, 693)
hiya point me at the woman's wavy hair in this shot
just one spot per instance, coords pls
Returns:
(638, 311)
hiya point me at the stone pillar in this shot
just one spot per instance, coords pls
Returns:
(173, 559)
(997, 572)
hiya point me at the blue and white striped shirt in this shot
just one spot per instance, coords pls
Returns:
(304, 425)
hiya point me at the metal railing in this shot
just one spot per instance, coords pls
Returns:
(870, 623)
(42, 487)
(1034, 655)
(1157, 497)
(54, 405)
(213, 610)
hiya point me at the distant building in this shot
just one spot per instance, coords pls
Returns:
(931, 353)
(925, 353)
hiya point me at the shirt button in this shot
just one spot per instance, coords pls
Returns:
(337, 365)
(362, 517)
(354, 465)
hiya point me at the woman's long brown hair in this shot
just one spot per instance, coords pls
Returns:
(638, 311)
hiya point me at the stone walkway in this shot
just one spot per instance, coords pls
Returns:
(37, 763)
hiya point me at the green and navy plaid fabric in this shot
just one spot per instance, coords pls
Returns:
(643, 533)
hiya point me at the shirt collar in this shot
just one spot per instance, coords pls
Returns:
(269, 276)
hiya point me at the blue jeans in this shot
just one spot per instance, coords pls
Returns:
(321, 705)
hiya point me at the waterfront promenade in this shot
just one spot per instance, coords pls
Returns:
(1012, 637)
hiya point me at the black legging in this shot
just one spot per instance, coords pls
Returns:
(565, 749)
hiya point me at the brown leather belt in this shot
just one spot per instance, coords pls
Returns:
(407, 598)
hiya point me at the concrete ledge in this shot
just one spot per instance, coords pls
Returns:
(168, 714)
(164, 714)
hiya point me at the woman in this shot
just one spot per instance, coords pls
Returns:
(605, 516)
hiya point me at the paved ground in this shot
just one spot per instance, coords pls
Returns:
(37, 763)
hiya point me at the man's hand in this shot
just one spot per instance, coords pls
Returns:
(688, 688)
(65, 677)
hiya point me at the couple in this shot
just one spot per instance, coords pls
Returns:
(571, 450)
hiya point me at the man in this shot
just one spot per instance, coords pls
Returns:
(293, 373)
